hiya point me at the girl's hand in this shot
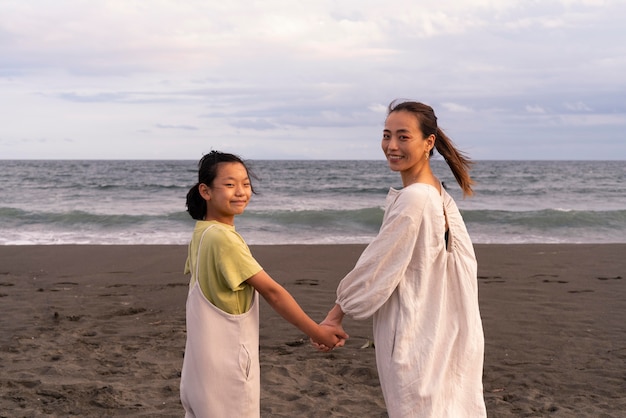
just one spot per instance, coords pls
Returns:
(333, 320)
(330, 337)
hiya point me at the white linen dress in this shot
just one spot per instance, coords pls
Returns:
(424, 301)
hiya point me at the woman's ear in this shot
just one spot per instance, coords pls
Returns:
(205, 191)
(431, 142)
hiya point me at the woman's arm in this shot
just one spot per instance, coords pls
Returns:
(282, 302)
(334, 317)
(384, 262)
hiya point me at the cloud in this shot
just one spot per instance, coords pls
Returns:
(602, 120)
(535, 109)
(455, 107)
(255, 124)
(116, 70)
(93, 97)
(578, 107)
(179, 127)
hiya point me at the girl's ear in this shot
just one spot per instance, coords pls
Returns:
(204, 190)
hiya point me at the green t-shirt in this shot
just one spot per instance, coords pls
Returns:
(225, 264)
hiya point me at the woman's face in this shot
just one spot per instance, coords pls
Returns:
(403, 142)
(229, 194)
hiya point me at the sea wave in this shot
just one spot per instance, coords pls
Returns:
(368, 217)
(13, 217)
(549, 218)
(302, 226)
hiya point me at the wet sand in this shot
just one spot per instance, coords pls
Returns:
(100, 331)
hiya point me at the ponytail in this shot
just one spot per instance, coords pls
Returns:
(196, 205)
(458, 162)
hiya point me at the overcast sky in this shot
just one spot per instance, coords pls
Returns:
(286, 79)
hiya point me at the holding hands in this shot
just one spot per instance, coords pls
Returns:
(332, 326)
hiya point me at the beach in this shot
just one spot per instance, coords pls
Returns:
(99, 331)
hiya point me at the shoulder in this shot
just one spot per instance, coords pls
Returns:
(411, 203)
(417, 195)
(219, 233)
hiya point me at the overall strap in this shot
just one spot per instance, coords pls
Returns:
(197, 269)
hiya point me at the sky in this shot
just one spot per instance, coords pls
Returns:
(284, 79)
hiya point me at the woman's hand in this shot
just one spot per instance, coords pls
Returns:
(332, 322)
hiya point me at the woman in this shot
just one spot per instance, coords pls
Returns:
(418, 280)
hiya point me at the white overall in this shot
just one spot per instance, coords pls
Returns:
(221, 375)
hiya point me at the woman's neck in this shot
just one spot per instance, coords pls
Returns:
(417, 174)
(421, 175)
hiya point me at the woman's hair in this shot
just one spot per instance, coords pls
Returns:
(458, 162)
(207, 171)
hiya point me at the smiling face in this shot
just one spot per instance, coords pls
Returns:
(229, 194)
(404, 144)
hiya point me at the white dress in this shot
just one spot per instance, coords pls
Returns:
(221, 373)
(424, 301)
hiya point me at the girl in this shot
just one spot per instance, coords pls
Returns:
(417, 279)
(220, 375)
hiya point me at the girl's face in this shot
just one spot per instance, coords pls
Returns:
(229, 195)
(404, 144)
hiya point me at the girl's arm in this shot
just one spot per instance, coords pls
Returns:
(282, 302)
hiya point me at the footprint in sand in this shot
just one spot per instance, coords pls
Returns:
(310, 282)
(491, 279)
(5, 284)
(129, 311)
(536, 276)
(610, 278)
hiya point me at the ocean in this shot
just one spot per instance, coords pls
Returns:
(304, 202)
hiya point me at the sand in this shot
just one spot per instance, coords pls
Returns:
(100, 331)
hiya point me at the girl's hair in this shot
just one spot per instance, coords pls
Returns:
(207, 171)
(458, 162)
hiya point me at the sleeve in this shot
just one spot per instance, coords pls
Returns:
(383, 263)
(187, 269)
(234, 260)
